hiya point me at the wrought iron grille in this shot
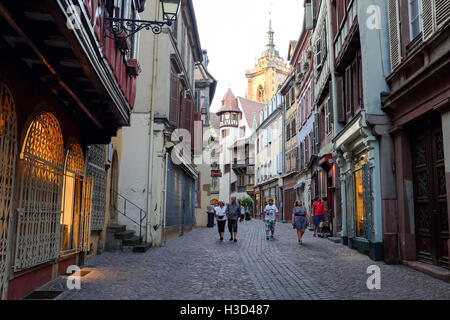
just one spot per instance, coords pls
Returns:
(85, 218)
(96, 158)
(39, 208)
(367, 201)
(8, 151)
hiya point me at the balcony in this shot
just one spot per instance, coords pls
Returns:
(85, 72)
(240, 166)
(229, 123)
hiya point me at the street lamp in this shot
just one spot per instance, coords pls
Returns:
(170, 9)
(121, 28)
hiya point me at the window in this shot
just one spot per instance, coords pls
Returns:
(242, 132)
(288, 132)
(415, 22)
(225, 133)
(318, 57)
(241, 181)
(233, 187)
(293, 128)
(227, 168)
(328, 117)
(292, 95)
(306, 149)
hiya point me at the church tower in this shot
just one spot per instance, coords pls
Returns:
(269, 72)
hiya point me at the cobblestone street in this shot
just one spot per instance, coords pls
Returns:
(199, 266)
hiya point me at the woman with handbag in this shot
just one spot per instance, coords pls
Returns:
(299, 219)
(221, 215)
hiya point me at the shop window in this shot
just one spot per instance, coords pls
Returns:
(359, 197)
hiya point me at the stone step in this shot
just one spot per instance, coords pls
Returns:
(334, 239)
(142, 247)
(127, 234)
(113, 244)
(127, 249)
(115, 228)
(133, 241)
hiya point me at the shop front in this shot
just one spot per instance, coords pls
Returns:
(358, 161)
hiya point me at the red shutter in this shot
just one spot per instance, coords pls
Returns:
(98, 21)
(173, 108)
(88, 7)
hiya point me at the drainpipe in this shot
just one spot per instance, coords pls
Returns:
(152, 115)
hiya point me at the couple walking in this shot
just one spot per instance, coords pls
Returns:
(232, 213)
(300, 218)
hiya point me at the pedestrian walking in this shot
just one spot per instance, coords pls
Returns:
(299, 219)
(270, 216)
(319, 218)
(242, 213)
(221, 215)
(233, 213)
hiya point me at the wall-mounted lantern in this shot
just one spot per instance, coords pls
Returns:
(121, 28)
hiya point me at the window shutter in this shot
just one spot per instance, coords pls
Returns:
(323, 37)
(330, 104)
(340, 99)
(442, 12)
(302, 156)
(308, 16)
(319, 130)
(394, 32)
(173, 108)
(317, 58)
(427, 19)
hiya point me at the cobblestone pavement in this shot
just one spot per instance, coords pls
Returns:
(197, 266)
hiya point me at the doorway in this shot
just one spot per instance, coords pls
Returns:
(430, 196)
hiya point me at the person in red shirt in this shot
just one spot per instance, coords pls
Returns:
(317, 209)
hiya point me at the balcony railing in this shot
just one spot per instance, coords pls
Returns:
(229, 123)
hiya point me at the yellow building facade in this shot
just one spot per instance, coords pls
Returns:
(269, 72)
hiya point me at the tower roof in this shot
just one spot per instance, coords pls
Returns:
(270, 50)
(229, 103)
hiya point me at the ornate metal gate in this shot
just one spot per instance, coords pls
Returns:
(8, 151)
(77, 203)
(39, 206)
(96, 158)
(85, 217)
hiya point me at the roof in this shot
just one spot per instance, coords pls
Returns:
(251, 110)
(229, 103)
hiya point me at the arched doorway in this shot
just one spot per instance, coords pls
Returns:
(40, 189)
(71, 207)
(8, 151)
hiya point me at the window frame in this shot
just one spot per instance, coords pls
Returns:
(419, 17)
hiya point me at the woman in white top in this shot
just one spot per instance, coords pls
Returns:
(221, 215)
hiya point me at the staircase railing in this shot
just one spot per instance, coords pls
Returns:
(125, 209)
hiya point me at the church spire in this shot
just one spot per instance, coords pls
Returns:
(270, 44)
(270, 47)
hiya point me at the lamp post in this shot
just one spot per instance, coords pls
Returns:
(123, 28)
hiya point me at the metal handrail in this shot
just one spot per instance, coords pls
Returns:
(143, 214)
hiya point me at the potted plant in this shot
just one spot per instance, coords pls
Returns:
(306, 66)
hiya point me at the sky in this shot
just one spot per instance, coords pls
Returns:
(234, 32)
